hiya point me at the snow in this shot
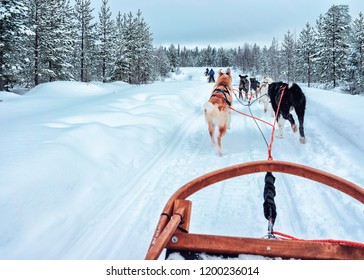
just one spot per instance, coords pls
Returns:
(86, 168)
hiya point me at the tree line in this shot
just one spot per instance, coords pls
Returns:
(48, 40)
(330, 53)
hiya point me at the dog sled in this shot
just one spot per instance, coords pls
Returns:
(172, 231)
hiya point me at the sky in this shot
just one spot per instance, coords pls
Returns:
(227, 23)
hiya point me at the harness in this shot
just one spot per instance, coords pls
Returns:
(223, 91)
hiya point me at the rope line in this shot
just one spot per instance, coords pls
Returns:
(270, 145)
(332, 241)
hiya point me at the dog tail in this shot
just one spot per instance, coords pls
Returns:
(298, 97)
(209, 107)
(211, 112)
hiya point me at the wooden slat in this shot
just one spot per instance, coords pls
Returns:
(160, 242)
(264, 247)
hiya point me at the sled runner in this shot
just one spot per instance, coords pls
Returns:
(172, 232)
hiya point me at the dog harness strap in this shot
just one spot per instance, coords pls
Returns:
(223, 91)
(225, 98)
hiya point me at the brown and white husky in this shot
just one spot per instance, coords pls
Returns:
(217, 111)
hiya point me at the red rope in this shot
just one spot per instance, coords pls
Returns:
(332, 241)
(250, 116)
(270, 146)
(274, 126)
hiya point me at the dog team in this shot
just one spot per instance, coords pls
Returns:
(279, 97)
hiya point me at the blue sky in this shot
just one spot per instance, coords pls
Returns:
(226, 22)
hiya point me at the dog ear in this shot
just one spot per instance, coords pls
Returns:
(228, 71)
(220, 72)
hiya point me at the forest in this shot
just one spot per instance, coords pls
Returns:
(50, 40)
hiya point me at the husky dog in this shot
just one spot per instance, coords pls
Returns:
(293, 97)
(264, 95)
(244, 86)
(217, 111)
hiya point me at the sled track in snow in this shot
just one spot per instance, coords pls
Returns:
(147, 180)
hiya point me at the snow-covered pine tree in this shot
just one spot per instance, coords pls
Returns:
(144, 52)
(35, 13)
(306, 49)
(135, 52)
(265, 69)
(86, 45)
(246, 58)
(121, 67)
(127, 44)
(321, 48)
(221, 58)
(185, 57)
(106, 42)
(336, 24)
(56, 42)
(288, 57)
(256, 60)
(356, 55)
(173, 57)
(162, 64)
(274, 63)
(12, 27)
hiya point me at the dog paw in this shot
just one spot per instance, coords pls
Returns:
(303, 140)
(294, 128)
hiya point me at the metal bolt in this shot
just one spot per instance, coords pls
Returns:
(174, 239)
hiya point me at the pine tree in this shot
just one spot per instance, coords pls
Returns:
(49, 47)
(85, 49)
(57, 40)
(319, 58)
(12, 28)
(265, 69)
(221, 58)
(144, 51)
(135, 54)
(246, 58)
(288, 57)
(256, 60)
(121, 65)
(274, 63)
(173, 57)
(106, 37)
(123, 69)
(306, 49)
(336, 27)
(162, 64)
(36, 8)
(356, 57)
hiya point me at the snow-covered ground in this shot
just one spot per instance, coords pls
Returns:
(86, 169)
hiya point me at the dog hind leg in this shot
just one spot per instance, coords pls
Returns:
(281, 122)
(300, 116)
(222, 131)
(289, 117)
(211, 128)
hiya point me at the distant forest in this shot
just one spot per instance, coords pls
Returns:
(49, 40)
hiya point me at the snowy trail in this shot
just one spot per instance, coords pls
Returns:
(102, 161)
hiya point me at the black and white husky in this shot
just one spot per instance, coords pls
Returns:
(293, 97)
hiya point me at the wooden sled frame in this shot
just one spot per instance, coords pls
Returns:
(173, 226)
